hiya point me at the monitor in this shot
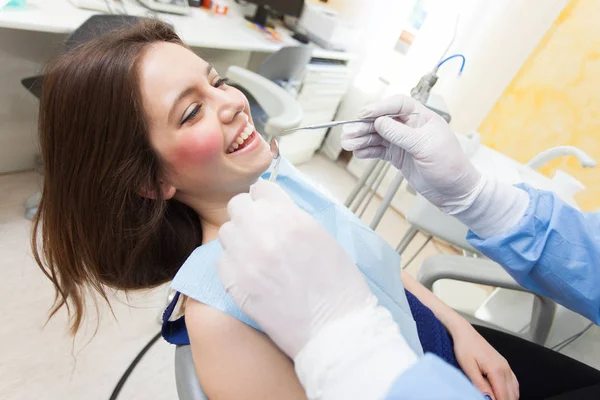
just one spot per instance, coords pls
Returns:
(286, 7)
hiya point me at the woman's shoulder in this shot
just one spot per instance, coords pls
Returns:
(198, 279)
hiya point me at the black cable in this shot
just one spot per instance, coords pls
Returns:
(132, 366)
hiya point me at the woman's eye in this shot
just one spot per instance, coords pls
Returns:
(192, 114)
(220, 82)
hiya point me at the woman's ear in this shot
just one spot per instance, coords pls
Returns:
(167, 190)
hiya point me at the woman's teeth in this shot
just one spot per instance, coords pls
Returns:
(238, 143)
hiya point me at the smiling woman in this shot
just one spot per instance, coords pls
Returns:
(144, 145)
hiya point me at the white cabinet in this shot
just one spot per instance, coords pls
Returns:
(323, 87)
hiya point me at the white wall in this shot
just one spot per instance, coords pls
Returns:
(496, 37)
(381, 22)
(22, 54)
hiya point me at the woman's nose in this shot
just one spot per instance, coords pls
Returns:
(230, 107)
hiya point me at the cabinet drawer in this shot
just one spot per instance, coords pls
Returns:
(302, 140)
(326, 73)
(320, 117)
(331, 79)
(315, 90)
(325, 104)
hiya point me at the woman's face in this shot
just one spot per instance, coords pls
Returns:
(200, 126)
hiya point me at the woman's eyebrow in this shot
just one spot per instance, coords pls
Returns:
(187, 92)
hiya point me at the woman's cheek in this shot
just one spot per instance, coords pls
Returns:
(198, 149)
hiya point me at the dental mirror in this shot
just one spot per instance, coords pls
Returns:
(277, 157)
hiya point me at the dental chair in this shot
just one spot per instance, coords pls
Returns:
(273, 109)
(286, 66)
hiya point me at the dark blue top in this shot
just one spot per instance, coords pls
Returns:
(432, 334)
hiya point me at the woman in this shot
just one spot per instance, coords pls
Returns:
(143, 146)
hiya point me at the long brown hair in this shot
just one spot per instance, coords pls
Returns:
(93, 229)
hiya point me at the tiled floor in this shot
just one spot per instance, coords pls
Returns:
(43, 362)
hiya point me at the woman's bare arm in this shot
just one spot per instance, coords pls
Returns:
(235, 361)
(447, 316)
(484, 366)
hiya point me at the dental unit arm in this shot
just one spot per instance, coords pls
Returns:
(422, 91)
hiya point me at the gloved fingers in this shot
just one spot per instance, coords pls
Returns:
(370, 140)
(228, 234)
(372, 152)
(357, 129)
(225, 266)
(398, 104)
(269, 191)
(398, 133)
(231, 271)
(239, 208)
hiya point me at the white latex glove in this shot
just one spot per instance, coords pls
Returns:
(424, 148)
(292, 277)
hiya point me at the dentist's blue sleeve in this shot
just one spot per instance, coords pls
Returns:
(554, 250)
(433, 379)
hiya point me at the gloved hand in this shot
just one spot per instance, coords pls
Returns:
(285, 270)
(422, 146)
(291, 276)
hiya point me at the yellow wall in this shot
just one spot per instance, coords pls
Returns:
(555, 99)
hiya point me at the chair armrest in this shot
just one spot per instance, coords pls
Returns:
(427, 218)
(466, 269)
(487, 272)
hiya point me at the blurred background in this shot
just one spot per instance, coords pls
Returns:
(518, 81)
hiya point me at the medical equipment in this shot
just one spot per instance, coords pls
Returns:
(350, 121)
(276, 158)
(326, 28)
(422, 91)
(169, 6)
(264, 7)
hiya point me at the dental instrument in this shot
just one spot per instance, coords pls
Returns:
(277, 157)
(350, 121)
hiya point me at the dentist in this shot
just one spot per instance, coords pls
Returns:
(543, 243)
(292, 278)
